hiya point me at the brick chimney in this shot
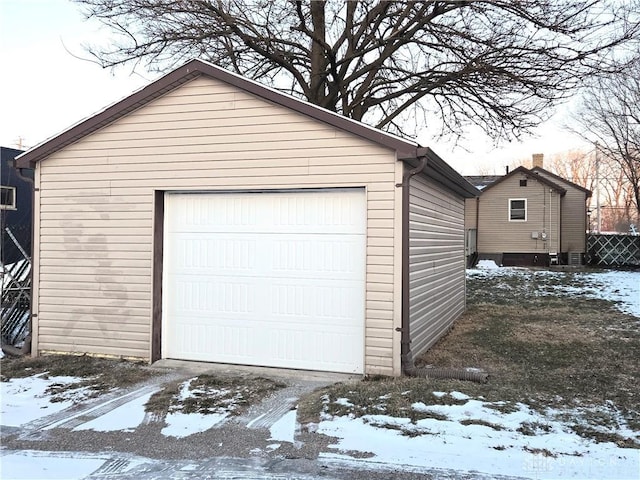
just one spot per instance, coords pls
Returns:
(538, 160)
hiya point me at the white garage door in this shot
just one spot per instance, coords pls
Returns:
(274, 279)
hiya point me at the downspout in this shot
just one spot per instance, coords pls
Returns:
(406, 357)
(477, 253)
(560, 223)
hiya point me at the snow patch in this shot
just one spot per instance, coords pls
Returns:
(459, 396)
(487, 265)
(344, 402)
(24, 399)
(181, 425)
(125, 418)
(285, 428)
(488, 442)
(29, 465)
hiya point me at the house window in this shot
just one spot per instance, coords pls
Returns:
(7, 198)
(517, 210)
(523, 183)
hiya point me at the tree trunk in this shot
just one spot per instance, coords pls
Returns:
(318, 80)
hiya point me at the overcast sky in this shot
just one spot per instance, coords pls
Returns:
(45, 89)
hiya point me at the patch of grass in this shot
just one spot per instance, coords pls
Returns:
(533, 428)
(502, 407)
(210, 394)
(484, 423)
(96, 375)
(160, 401)
(421, 415)
(604, 437)
(540, 451)
(389, 396)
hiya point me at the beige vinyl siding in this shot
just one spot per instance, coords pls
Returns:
(574, 218)
(496, 234)
(96, 208)
(470, 213)
(436, 262)
(574, 221)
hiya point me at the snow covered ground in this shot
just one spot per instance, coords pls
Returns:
(24, 399)
(471, 435)
(619, 286)
(475, 437)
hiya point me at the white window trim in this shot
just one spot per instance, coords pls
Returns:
(13, 205)
(525, 210)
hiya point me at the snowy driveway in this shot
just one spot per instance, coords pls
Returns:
(112, 437)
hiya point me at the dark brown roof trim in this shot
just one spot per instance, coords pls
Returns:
(443, 173)
(563, 180)
(531, 174)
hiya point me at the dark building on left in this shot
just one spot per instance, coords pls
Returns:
(16, 206)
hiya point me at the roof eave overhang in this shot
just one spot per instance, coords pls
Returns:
(442, 172)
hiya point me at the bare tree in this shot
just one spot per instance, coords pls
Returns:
(610, 116)
(577, 166)
(500, 64)
(617, 205)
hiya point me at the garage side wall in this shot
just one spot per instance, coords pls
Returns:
(96, 204)
(436, 262)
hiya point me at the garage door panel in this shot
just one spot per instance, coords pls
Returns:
(282, 343)
(313, 299)
(269, 213)
(286, 347)
(287, 255)
(199, 251)
(328, 303)
(271, 279)
(330, 255)
(191, 294)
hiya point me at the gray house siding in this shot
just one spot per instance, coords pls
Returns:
(436, 262)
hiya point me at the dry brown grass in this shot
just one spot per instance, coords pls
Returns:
(96, 375)
(213, 394)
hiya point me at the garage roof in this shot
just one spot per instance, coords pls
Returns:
(407, 150)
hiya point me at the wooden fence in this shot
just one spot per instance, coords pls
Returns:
(613, 250)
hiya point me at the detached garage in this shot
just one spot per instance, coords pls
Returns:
(209, 218)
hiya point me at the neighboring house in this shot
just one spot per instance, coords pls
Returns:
(16, 192)
(528, 217)
(209, 218)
